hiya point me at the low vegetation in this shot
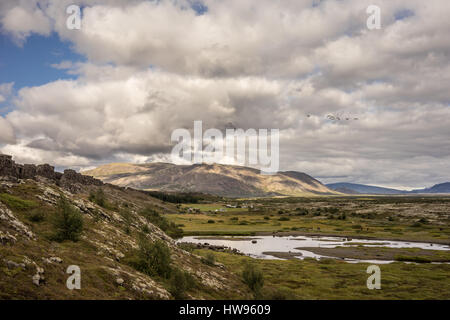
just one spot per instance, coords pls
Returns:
(16, 203)
(254, 278)
(403, 218)
(333, 279)
(165, 225)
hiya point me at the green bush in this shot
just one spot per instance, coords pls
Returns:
(211, 221)
(145, 229)
(280, 294)
(98, 197)
(180, 282)
(254, 278)
(415, 259)
(36, 215)
(284, 219)
(68, 222)
(153, 258)
(209, 259)
(342, 217)
(155, 218)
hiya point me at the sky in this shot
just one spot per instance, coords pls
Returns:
(115, 89)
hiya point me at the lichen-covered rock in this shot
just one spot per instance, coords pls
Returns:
(6, 216)
(7, 238)
(70, 179)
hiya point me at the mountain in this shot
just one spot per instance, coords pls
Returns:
(353, 188)
(438, 188)
(216, 179)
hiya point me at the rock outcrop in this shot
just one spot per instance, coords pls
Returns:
(9, 168)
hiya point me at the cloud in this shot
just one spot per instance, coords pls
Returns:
(7, 135)
(21, 22)
(6, 89)
(154, 66)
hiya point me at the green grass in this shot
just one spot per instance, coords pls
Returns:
(415, 259)
(230, 223)
(16, 203)
(212, 207)
(332, 279)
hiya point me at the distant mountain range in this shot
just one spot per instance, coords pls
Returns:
(353, 188)
(216, 179)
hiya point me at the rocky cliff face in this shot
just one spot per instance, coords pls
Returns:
(69, 179)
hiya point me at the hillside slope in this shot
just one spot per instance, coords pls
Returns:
(438, 188)
(216, 179)
(33, 264)
(354, 188)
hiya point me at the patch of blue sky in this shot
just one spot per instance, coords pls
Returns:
(31, 64)
(403, 14)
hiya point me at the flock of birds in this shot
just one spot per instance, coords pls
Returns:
(337, 117)
(331, 117)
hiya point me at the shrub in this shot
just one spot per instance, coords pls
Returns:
(153, 258)
(211, 221)
(145, 229)
(36, 215)
(98, 197)
(155, 218)
(281, 294)
(253, 277)
(209, 259)
(284, 219)
(266, 218)
(180, 282)
(416, 259)
(68, 222)
(342, 217)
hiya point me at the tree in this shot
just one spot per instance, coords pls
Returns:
(68, 222)
(154, 258)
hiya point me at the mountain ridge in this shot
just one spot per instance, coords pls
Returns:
(355, 188)
(216, 179)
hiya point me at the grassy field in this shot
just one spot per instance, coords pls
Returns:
(212, 207)
(332, 279)
(244, 223)
(402, 218)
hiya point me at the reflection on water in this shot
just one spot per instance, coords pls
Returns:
(289, 243)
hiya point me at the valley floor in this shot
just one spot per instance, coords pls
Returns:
(383, 218)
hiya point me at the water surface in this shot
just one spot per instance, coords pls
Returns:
(289, 243)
